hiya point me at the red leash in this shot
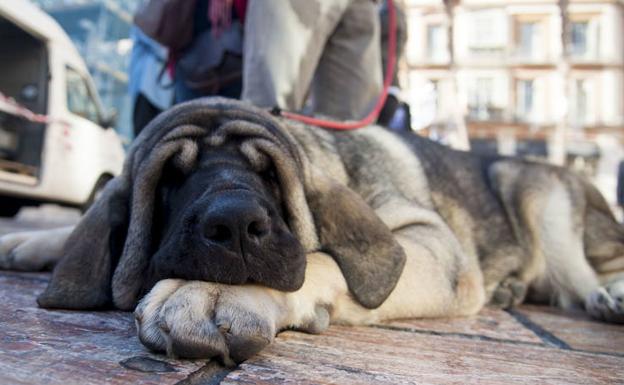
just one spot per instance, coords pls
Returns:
(372, 116)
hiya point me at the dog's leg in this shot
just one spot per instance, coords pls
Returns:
(574, 241)
(202, 319)
(438, 281)
(546, 206)
(556, 236)
(557, 230)
(604, 248)
(33, 250)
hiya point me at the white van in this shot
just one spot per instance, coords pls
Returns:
(56, 143)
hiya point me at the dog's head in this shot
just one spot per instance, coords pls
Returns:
(218, 191)
(223, 222)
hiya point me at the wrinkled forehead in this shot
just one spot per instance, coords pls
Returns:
(217, 168)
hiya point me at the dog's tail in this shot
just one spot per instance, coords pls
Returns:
(603, 236)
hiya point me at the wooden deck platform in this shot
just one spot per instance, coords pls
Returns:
(527, 345)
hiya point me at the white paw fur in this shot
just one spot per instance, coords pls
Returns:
(607, 302)
(208, 320)
(32, 250)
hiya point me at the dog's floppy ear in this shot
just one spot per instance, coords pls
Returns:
(82, 279)
(369, 257)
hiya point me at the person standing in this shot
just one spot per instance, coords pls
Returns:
(395, 113)
(149, 84)
(326, 49)
(620, 185)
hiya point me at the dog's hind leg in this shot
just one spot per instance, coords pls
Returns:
(563, 274)
(33, 250)
(546, 206)
(581, 259)
(604, 247)
(603, 238)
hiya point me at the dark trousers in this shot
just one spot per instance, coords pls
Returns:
(144, 112)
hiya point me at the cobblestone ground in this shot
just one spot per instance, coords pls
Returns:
(530, 344)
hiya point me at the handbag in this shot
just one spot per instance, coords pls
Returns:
(169, 22)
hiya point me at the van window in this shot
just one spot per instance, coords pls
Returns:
(79, 99)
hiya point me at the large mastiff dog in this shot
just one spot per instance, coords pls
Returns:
(229, 225)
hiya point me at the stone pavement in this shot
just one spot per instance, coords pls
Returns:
(528, 345)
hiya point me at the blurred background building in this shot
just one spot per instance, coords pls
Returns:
(492, 75)
(100, 31)
(503, 74)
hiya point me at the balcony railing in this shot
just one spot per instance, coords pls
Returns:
(485, 113)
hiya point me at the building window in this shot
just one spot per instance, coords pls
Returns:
(527, 39)
(481, 99)
(487, 37)
(435, 42)
(483, 30)
(525, 97)
(579, 34)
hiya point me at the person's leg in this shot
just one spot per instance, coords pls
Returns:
(348, 80)
(144, 112)
(400, 36)
(388, 111)
(283, 42)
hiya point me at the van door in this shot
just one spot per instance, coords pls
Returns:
(23, 80)
(83, 136)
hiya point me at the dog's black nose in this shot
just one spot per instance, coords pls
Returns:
(236, 223)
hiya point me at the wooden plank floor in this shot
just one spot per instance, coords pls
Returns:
(527, 345)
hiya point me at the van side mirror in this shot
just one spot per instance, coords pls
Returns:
(110, 120)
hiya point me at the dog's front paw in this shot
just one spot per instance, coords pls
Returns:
(207, 320)
(28, 250)
(607, 302)
(8, 244)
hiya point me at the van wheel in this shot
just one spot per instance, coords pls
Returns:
(97, 191)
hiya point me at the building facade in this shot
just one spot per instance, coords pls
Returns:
(508, 69)
(512, 84)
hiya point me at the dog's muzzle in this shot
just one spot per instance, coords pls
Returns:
(235, 221)
(230, 236)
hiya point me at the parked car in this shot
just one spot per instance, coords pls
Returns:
(56, 142)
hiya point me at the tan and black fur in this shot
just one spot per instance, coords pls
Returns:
(400, 227)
